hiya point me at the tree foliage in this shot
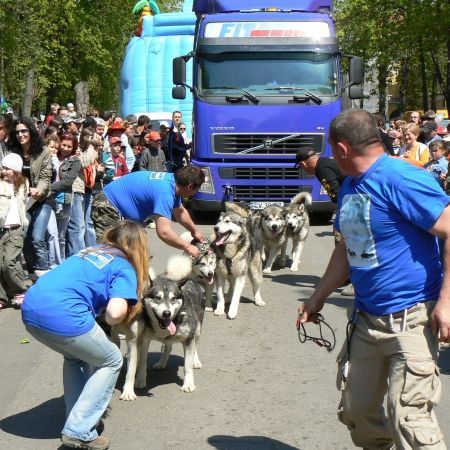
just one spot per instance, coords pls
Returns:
(84, 40)
(65, 42)
(409, 40)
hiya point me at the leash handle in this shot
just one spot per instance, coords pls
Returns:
(320, 341)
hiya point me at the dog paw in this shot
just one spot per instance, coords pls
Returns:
(128, 395)
(208, 309)
(218, 312)
(260, 303)
(188, 387)
(267, 270)
(294, 268)
(232, 315)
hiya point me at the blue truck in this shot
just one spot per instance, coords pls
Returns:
(267, 80)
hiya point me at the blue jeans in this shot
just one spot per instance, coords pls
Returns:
(62, 220)
(76, 227)
(35, 248)
(86, 395)
(54, 254)
(89, 237)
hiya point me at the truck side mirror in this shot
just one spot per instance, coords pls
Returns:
(356, 70)
(179, 71)
(355, 93)
(179, 92)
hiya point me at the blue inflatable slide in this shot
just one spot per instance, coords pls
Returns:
(146, 74)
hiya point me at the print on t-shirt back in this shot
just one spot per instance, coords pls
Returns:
(99, 259)
(354, 221)
(157, 175)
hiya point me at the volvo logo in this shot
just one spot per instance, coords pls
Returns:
(268, 143)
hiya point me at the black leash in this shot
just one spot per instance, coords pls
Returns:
(320, 341)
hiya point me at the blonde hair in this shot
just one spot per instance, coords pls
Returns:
(129, 238)
(412, 128)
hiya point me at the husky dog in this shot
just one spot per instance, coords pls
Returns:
(238, 254)
(273, 233)
(203, 266)
(297, 227)
(173, 310)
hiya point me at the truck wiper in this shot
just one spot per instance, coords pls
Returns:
(313, 97)
(247, 94)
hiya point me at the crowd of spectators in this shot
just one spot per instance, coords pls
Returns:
(61, 163)
(421, 139)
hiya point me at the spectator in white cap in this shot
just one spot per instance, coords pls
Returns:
(13, 198)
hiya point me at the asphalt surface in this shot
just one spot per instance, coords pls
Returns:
(259, 387)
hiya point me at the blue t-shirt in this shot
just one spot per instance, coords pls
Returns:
(384, 216)
(67, 299)
(142, 194)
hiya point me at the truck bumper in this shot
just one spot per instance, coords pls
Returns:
(216, 206)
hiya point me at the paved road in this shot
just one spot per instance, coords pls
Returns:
(259, 388)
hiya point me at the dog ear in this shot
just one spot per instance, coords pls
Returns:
(151, 275)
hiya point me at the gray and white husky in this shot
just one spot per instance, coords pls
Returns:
(173, 311)
(273, 233)
(297, 227)
(238, 254)
(203, 266)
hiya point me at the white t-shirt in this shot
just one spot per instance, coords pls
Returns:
(13, 216)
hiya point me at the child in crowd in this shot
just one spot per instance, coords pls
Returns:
(13, 199)
(51, 141)
(438, 165)
(120, 165)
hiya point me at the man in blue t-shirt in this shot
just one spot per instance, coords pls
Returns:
(390, 215)
(144, 195)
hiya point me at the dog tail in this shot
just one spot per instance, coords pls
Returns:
(186, 236)
(179, 267)
(302, 197)
(238, 208)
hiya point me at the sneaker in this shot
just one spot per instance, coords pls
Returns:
(348, 291)
(152, 225)
(99, 443)
(18, 300)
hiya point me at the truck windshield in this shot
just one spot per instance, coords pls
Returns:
(263, 73)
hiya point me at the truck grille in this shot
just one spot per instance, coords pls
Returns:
(268, 192)
(265, 143)
(260, 173)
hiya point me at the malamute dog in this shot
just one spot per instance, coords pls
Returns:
(297, 227)
(203, 266)
(273, 233)
(238, 254)
(173, 311)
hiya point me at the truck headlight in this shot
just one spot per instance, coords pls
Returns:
(207, 187)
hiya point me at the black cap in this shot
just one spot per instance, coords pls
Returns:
(429, 125)
(303, 154)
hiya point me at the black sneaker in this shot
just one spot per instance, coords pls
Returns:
(99, 443)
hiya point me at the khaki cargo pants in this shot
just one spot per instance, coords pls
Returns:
(402, 364)
(103, 215)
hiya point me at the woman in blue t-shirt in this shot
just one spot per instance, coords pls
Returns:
(60, 311)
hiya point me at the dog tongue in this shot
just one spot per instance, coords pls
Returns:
(170, 327)
(221, 241)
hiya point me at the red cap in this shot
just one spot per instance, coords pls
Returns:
(116, 126)
(153, 136)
